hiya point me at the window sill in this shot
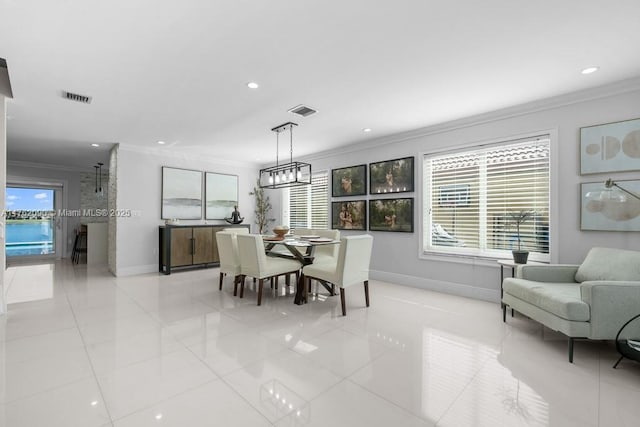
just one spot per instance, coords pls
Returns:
(466, 259)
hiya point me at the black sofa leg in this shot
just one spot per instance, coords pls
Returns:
(570, 350)
(616, 365)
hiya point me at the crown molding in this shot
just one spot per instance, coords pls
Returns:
(586, 95)
(18, 163)
(167, 152)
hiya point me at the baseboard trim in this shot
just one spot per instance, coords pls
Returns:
(490, 295)
(139, 269)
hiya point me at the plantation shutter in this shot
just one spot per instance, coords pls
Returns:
(309, 204)
(471, 197)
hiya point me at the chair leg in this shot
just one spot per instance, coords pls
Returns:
(504, 313)
(260, 284)
(236, 279)
(366, 291)
(221, 278)
(242, 286)
(342, 302)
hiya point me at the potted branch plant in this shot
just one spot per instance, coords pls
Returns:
(518, 218)
(263, 207)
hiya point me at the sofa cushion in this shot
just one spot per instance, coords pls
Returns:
(560, 299)
(609, 264)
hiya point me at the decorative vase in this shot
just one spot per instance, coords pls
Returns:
(520, 257)
(280, 231)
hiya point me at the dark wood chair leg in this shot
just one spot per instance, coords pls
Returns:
(242, 287)
(333, 289)
(260, 284)
(287, 280)
(342, 302)
(221, 278)
(236, 279)
(366, 291)
(504, 313)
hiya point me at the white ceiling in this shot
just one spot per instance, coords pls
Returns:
(177, 71)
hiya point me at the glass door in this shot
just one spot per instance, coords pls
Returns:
(31, 222)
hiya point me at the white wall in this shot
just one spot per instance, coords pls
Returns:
(139, 183)
(3, 185)
(396, 255)
(71, 181)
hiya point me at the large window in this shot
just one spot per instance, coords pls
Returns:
(471, 196)
(308, 205)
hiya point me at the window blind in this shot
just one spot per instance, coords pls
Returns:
(309, 204)
(471, 195)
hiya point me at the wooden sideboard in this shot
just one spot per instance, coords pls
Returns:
(189, 246)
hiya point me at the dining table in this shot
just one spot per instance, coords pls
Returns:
(301, 248)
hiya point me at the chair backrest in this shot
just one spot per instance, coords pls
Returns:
(353, 259)
(327, 250)
(253, 260)
(237, 230)
(228, 252)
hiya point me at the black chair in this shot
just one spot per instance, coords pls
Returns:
(628, 346)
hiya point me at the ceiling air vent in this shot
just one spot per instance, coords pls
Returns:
(302, 110)
(76, 97)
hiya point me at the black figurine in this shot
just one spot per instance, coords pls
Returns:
(235, 217)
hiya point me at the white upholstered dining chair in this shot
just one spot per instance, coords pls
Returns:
(324, 253)
(229, 257)
(350, 268)
(255, 263)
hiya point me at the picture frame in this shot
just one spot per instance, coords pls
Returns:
(349, 215)
(610, 147)
(392, 176)
(602, 209)
(221, 195)
(181, 193)
(349, 181)
(391, 215)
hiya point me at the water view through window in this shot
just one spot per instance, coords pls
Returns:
(30, 219)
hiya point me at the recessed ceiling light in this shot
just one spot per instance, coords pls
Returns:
(253, 85)
(590, 70)
(161, 142)
(95, 145)
(366, 130)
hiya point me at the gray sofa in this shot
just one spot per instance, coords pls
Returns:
(592, 300)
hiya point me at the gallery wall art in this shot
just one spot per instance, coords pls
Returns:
(611, 147)
(391, 176)
(181, 193)
(349, 215)
(221, 195)
(349, 181)
(391, 215)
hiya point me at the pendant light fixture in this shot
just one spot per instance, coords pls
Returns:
(98, 190)
(285, 175)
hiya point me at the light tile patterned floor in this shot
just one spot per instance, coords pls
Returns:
(155, 350)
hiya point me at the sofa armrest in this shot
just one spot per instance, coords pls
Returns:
(556, 273)
(612, 304)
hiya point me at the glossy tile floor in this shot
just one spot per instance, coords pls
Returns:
(86, 349)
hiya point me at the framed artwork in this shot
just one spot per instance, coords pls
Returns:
(181, 193)
(351, 181)
(605, 209)
(611, 147)
(391, 215)
(221, 195)
(391, 176)
(349, 215)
